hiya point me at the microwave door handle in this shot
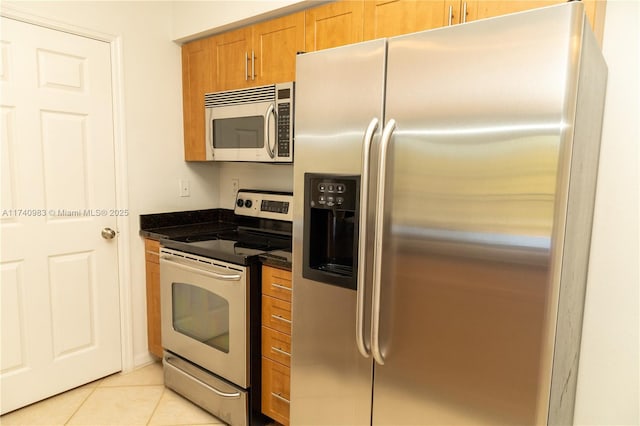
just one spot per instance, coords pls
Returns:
(270, 111)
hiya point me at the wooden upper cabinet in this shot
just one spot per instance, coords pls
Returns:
(197, 79)
(480, 9)
(390, 18)
(334, 24)
(232, 52)
(275, 45)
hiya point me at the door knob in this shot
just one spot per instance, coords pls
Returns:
(108, 233)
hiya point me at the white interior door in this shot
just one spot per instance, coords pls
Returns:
(59, 276)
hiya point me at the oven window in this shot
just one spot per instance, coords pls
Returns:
(239, 132)
(201, 315)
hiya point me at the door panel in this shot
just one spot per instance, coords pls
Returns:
(489, 8)
(472, 193)
(391, 18)
(233, 59)
(198, 71)
(334, 24)
(276, 43)
(331, 118)
(60, 291)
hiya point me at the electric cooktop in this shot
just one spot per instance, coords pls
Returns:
(243, 245)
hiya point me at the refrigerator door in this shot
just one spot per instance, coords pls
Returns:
(470, 204)
(339, 94)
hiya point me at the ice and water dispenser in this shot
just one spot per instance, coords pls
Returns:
(331, 217)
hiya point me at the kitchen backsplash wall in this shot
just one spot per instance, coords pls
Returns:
(272, 177)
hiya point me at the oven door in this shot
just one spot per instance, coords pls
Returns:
(242, 132)
(204, 308)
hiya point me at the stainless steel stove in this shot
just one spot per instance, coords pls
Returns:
(210, 298)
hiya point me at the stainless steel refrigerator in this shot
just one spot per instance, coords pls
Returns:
(444, 184)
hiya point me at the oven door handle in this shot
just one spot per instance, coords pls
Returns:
(211, 274)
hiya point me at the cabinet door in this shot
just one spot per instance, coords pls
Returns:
(233, 59)
(276, 385)
(479, 9)
(198, 71)
(334, 24)
(384, 18)
(488, 8)
(152, 265)
(276, 283)
(275, 45)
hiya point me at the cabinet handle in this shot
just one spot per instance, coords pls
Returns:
(464, 13)
(281, 398)
(279, 318)
(253, 63)
(246, 66)
(450, 14)
(280, 351)
(281, 287)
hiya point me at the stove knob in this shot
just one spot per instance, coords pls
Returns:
(240, 202)
(248, 204)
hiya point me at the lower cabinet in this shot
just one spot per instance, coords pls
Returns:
(152, 266)
(276, 343)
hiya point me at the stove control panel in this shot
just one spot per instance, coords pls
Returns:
(264, 204)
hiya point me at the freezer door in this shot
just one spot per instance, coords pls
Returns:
(339, 93)
(482, 115)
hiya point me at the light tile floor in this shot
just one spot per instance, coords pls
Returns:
(136, 398)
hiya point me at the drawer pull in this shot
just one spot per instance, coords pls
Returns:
(281, 398)
(279, 318)
(280, 351)
(281, 287)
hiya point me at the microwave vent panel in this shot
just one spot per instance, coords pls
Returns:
(242, 96)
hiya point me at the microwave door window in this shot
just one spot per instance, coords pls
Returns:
(238, 132)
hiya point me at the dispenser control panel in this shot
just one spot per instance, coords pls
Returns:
(330, 229)
(333, 192)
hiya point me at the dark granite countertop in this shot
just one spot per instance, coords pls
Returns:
(277, 258)
(158, 226)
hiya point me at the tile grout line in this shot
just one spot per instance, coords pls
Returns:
(164, 389)
(81, 404)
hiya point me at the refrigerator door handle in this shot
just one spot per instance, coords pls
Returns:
(377, 264)
(362, 232)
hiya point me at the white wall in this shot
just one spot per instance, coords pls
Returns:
(152, 105)
(609, 376)
(272, 177)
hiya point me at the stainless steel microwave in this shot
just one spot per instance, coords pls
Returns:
(254, 124)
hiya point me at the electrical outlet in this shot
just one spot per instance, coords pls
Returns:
(185, 191)
(235, 185)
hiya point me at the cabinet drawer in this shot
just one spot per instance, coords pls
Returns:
(276, 314)
(152, 250)
(276, 346)
(276, 283)
(275, 390)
